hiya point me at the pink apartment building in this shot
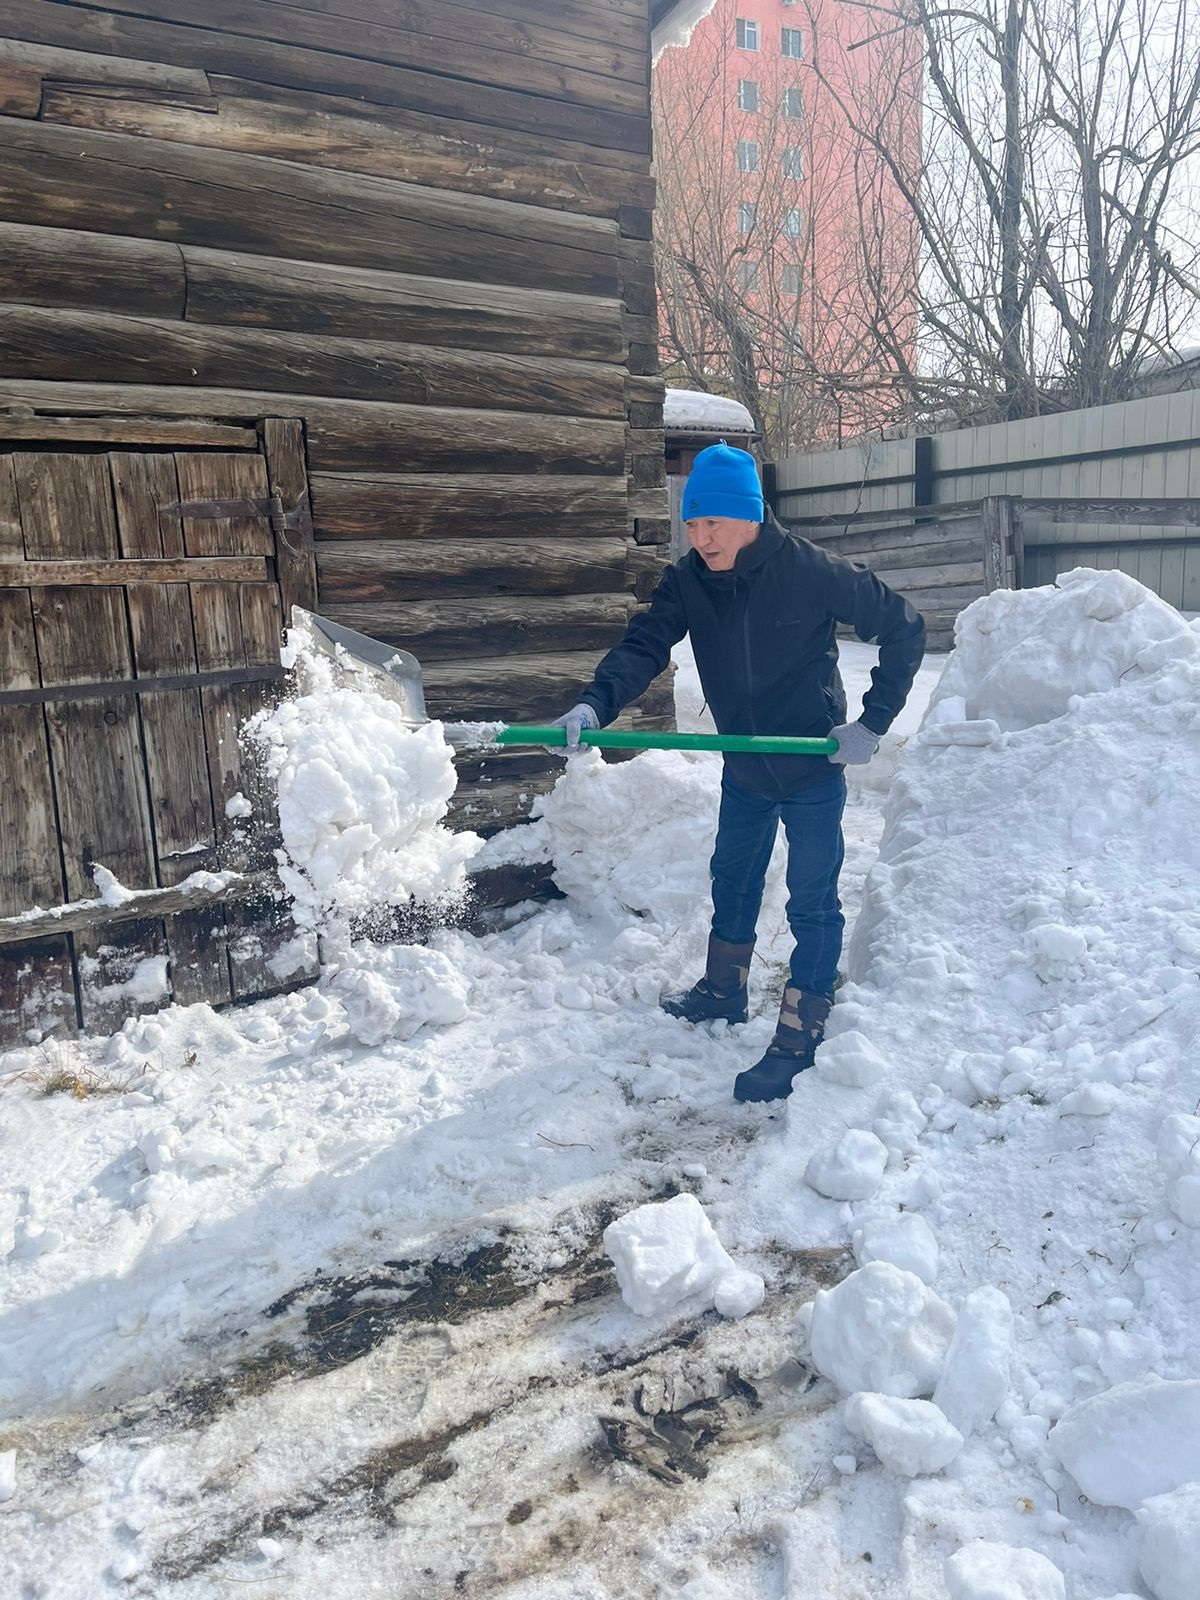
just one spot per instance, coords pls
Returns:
(787, 261)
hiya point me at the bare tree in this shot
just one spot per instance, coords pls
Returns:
(1052, 195)
(781, 240)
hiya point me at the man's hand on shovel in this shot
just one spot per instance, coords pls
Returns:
(576, 720)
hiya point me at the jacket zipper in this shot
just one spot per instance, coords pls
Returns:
(746, 649)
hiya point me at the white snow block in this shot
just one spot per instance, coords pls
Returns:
(911, 1437)
(852, 1169)
(668, 1252)
(1169, 1548)
(975, 1376)
(905, 1239)
(1133, 1441)
(1178, 1144)
(985, 1571)
(881, 1330)
(852, 1059)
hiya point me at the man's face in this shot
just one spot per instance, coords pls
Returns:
(717, 540)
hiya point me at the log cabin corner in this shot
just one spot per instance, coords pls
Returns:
(343, 302)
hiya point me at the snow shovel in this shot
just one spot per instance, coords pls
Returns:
(397, 674)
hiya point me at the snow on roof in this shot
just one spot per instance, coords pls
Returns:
(693, 411)
(674, 23)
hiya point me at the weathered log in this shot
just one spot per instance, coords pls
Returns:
(293, 66)
(80, 66)
(124, 430)
(856, 542)
(20, 89)
(427, 150)
(449, 629)
(355, 436)
(118, 183)
(519, 689)
(470, 567)
(485, 49)
(440, 506)
(53, 574)
(74, 344)
(304, 296)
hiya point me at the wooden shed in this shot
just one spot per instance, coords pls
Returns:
(344, 302)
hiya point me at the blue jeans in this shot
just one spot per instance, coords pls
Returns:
(746, 829)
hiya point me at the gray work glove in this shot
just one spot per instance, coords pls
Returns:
(856, 745)
(576, 720)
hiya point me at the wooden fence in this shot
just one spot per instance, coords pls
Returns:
(1132, 453)
(941, 558)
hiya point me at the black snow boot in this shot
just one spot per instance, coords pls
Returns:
(800, 1029)
(721, 992)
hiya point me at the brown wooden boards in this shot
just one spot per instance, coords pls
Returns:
(448, 630)
(368, 570)
(440, 506)
(353, 436)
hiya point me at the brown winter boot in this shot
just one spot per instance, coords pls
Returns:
(721, 992)
(800, 1029)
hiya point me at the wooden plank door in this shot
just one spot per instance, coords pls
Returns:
(115, 570)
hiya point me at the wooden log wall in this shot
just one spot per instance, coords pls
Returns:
(421, 226)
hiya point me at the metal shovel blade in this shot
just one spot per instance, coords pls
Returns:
(391, 672)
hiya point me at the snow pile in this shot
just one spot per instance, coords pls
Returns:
(694, 411)
(361, 796)
(1019, 1036)
(669, 1253)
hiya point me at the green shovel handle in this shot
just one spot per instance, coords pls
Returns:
(755, 744)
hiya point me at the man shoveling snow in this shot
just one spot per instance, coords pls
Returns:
(762, 610)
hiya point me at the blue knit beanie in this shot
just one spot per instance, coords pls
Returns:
(723, 482)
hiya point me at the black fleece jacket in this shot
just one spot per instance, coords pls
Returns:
(764, 640)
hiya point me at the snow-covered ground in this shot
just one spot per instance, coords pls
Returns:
(312, 1295)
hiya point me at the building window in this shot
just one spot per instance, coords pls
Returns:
(747, 94)
(793, 105)
(747, 275)
(790, 282)
(791, 222)
(793, 162)
(793, 44)
(746, 215)
(747, 155)
(747, 34)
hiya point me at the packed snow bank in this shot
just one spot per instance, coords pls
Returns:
(1026, 967)
(362, 797)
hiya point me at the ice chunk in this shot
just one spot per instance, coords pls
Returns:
(852, 1169)
(905, 1239)
(852, 1059)
(908, 1436)
(984, 1571)
(668, 1252)
(975, 1376)
(881, 1330)
(1135, 1440)
(1169, 1550)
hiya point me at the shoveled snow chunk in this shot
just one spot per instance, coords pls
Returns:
(8, 1474)
(985, 1571)
(852, 1059)
(1184, 1198)
(668, 1252)
(909, 1436)
(881, 1330)
(738, 1292)
(1178, 1144)
(1090, 1100)
(974, 1380)
(389, 991)
(905, 1239)
(1133, 1441)
(1169, 1550)
(852, 1169)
